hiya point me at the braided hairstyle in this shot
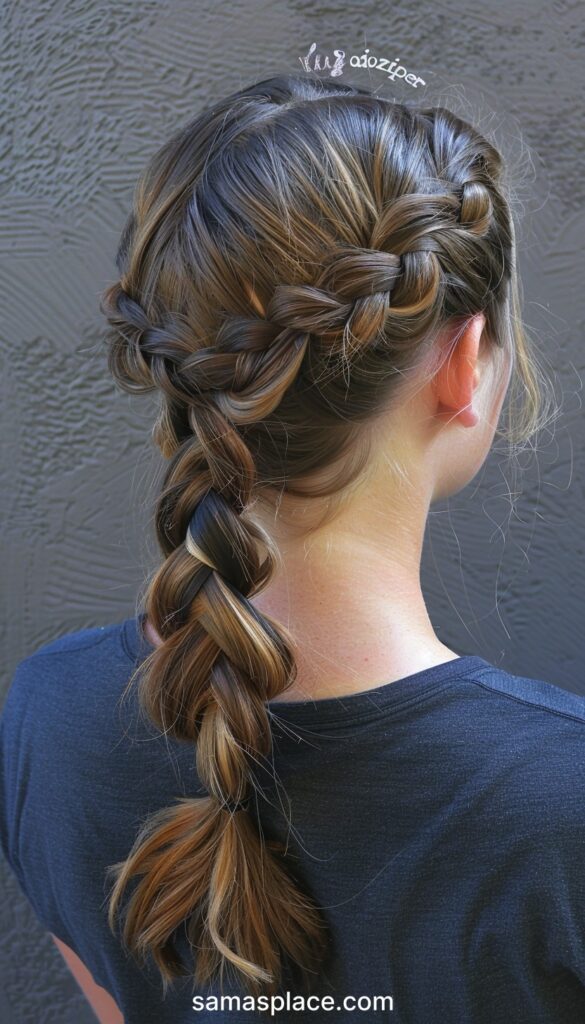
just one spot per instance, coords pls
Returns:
(290, 257)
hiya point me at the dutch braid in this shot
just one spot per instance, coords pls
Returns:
(353, 278)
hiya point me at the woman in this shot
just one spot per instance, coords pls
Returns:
(275, 782)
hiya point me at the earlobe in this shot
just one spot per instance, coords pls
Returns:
(468, 417)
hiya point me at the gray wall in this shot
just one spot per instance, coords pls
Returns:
(89, 91)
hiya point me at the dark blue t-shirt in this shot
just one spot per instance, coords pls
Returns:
(438, 820)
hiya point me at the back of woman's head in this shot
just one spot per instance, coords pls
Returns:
(290, 258)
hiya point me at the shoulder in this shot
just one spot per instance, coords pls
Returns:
(547, 699)
(72, 760)
(526, 751)
(539, 724)
(539, 801)
(66, 648)
(77, 672)
(69, 713)
(69, 664)
(72, 728)
(34, 738)
(73, 779)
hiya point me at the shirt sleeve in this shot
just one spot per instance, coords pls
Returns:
(58, 821)
(561, 854)
(24, 770)
(13, 767)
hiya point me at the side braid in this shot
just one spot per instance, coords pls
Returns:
(228, 658)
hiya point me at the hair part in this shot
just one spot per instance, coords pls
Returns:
(290, 257)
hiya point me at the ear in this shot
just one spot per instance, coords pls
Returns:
(459, 375)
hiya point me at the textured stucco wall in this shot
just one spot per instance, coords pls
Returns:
(89, 89)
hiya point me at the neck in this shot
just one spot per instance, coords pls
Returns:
(358, 616)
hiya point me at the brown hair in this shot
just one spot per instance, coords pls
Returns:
(290, 256)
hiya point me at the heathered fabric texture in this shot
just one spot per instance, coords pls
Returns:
(438, 820)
